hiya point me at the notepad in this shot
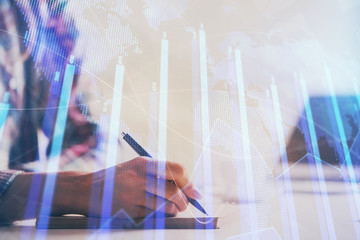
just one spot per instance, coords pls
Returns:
(81, 222)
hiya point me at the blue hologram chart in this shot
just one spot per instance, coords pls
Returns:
(250, 97)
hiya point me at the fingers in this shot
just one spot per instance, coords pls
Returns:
(159, 204)
(190, 191)
(169, 191)
(176, 173)
(167, 170)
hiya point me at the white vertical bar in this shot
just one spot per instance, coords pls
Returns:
(163, 99)
(198, 179)
(286, 180)
(114, 128)
(153, 121)
(195, 95)
(198, 171)
(205, 122)
(152, 142)
(237, 144)
(246, 141)
(112, 147)
(162, 130)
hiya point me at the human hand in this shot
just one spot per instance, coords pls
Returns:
(136, 190)
(140, 188)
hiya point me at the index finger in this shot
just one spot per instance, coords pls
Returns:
(168, 170)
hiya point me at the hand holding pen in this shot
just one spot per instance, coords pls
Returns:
(141, 151)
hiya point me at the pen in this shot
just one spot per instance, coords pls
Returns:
(141, 151)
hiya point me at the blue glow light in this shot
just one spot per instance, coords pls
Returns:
(4, 111)
(57, 141)
(340, 127)
(325, 206)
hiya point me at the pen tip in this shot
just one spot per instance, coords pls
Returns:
(123, 134)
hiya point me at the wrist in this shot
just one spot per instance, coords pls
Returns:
(72, 193)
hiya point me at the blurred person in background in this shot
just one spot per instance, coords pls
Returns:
(37, 39)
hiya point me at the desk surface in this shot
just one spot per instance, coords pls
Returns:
(234, 222)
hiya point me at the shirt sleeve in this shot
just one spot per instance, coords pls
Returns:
(6, 179)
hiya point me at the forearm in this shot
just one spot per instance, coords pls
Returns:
(23, 199)
(130, 191)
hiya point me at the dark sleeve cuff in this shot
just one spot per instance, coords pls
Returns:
(6, 179)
